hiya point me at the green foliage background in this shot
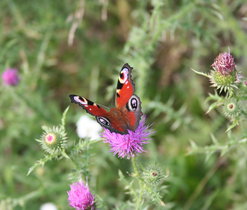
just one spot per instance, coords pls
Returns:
(66, 46)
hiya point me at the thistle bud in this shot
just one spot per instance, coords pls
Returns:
(153, 175)
(224, 76)
(231, 109)
(53, 140)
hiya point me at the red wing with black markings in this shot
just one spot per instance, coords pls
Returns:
(133, 112)
(125, 98)
(125, 86)
(106, 119)
(91, 107)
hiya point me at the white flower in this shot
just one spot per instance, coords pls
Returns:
(48, 206)
(88, 128)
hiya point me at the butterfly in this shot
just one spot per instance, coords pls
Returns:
(127, 111)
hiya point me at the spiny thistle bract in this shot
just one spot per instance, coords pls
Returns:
(223, 81)
(53, 140)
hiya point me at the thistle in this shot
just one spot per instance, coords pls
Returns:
(80, 197)
(10, 77)
(223, 81)
(128, 145)
(224, 75)
(224, 63)
(53, 140)
(153, 175)
(231, 108)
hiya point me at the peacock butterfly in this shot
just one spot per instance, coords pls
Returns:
(127, 111)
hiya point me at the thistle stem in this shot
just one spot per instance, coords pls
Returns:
(136, 172)
(138, 196)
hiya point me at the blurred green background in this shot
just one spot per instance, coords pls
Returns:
(67, 46)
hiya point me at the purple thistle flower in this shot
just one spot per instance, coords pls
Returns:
(128, 145)
(80, 197)
(10, 77)
(224, 63)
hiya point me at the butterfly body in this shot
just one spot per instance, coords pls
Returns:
(127, 113)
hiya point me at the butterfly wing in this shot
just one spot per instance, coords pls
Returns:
(125, 100)
(133, 112)
(106, 119)
(91, 107)
(125, 86)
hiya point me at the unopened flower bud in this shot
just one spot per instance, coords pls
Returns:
(53, 140)
(224, 76)
(152, 175)
(231, 109)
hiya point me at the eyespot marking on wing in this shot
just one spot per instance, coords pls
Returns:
(125, 86)
(133, 103)
(103, 121)
(123, 75)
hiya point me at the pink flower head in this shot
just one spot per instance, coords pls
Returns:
(80, 197)
(224, 63)
(128, 145)
(10, 77)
